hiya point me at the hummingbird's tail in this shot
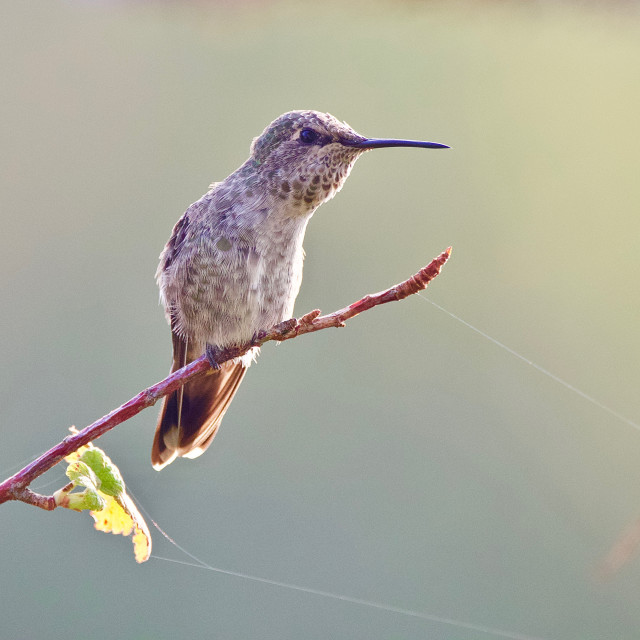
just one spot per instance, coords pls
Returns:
(190, 416)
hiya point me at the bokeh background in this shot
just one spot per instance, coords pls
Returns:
(405, 459)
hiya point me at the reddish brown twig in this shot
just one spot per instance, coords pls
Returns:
(16, 487)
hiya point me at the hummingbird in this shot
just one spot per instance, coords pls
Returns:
(233, 263)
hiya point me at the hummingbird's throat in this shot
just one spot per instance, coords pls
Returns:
(310, 186)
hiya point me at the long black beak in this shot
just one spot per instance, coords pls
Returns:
(379, 143)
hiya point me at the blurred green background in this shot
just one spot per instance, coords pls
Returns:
(405, 459)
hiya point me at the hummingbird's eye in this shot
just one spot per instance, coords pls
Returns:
(308, 136)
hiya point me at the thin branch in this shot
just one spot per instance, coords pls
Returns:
(16, 487)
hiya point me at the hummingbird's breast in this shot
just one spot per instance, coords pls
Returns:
(230, 269)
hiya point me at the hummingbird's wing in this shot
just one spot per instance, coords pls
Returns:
(190, 416)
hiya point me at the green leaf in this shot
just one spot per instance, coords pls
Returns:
(87, 499)
(81, 474)
(110, 481)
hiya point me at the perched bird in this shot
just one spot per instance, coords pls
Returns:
(233, 263)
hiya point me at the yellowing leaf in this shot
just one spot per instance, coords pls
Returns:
(121, 517)
(113, 518)
(91, 468)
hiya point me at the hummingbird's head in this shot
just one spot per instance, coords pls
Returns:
(306, 156)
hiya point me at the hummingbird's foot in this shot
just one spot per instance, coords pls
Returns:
(213, 352)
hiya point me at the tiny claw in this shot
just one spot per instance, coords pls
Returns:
(213, 353)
